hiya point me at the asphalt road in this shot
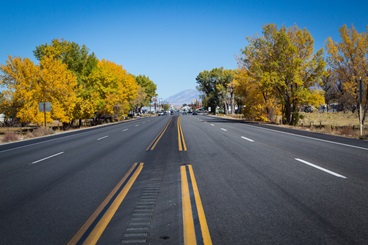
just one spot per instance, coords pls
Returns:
(184, 180)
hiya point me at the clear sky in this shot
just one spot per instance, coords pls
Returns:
(170, 41)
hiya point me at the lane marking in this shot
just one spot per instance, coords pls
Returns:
(85, 131)
(247, 139)
(212, 124)
(137, 125)
(158, 137)
(308, 137)
(125, 130)
(96, 224)
(181, 140)
(223, 129)
(103, 137)
(195, 226)
(320, 168)
(43, 159)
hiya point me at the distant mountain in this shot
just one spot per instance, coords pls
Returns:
(183, 97)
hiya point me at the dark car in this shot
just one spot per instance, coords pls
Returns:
(194, 113)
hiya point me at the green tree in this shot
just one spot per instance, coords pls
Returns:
(76, 57)
(214, 86)
(147, 91)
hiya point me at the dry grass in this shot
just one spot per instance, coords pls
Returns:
(335, 119)
(343, 124)
(11, 134)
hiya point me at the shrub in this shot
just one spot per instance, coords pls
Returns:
(42, 132)
(10, 136)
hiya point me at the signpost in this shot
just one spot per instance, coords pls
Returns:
(45, 107)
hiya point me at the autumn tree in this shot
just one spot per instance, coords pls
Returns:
(284, 66)
(249, 96)
(348, 63)
(28, 84)
(113, 89)
(78, 60)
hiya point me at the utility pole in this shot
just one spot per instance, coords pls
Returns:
(360, 105)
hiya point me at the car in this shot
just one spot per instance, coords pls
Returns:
(194, 113)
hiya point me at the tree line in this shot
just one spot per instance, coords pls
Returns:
(279, 73)
(76, 83)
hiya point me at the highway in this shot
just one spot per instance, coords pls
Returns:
(184, 179)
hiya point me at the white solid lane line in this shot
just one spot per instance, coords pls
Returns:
(137, 125)
(247, 139)
(223, 129)
(43, 159)
(103, 137)
(212, 124)
(125, 129)
(320, 168)
(308, 137)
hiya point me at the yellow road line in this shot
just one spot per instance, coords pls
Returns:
(188, 223)
(181, 139)
(92, 230)
(202, 218)
(158, 137)
(193, 212)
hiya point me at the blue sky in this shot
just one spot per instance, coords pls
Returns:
(169, 41)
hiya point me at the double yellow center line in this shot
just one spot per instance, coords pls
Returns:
(158, 137)
(181, 140)
(92, 230)
(194, 220)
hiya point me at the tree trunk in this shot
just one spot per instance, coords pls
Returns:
(226, 108)
(232, 103)
(287, 113)
(213, 109)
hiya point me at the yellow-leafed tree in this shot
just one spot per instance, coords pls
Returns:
(28, 84)
(257, 103)
(284, 66)
(349, 64)
(114, 89)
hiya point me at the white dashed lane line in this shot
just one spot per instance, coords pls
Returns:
(247, 139)
(103, 137)
(43, 159)
(320, 168)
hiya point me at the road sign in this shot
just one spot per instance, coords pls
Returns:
(44, 106)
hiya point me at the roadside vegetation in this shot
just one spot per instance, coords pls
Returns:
(337, 123)
(280, 75)
(78, 86)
